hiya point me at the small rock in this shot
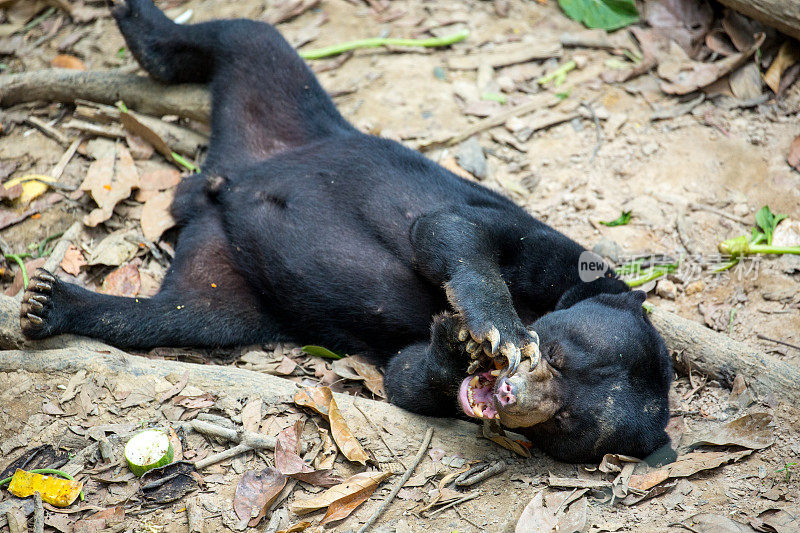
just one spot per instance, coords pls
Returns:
(506, 84)
(666, 289)
(471, 158)
(650, 148)
(606, 247)
(741, 209)
(695, 287)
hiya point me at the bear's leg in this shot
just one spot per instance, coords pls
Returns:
(265, 99)
(203, 301)
(424, 378)
(460, 249)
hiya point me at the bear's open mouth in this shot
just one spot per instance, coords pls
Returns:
(476, 395)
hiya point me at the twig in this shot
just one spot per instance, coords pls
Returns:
(720, 212)
(426, 441)
(598, 130)
(68, 238)
(376, 42)
(466, 498)
(194, 515)
(765, 338)
(380, 435)
(65, 159)
(471, 479)
(221, 456)
(252, 439)
(573, 483)
(48, 130)
(38, 513)
(565, 500)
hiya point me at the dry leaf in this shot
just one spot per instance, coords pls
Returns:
(176, 388)
(131, 123)
(327, 456)
(296, 527)
(341, 509)
(353, 485)
(750, 431)
(73, 261)
(124, 281)
(251, 414)
(714, 523)
(159, 179)
(778, 520)
(683, 75)
(115, 249)
(156, 217)
(685, 466)
(109, 180)
(509, 444)
(794, 154)
(348, 444)
(613, 462)
(289, 462)
(373, 379)
(255, 492)
(67, 61)
(562, 512)
(788, 55)
(316, 398)
(684, 21)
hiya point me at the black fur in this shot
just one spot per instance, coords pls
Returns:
(302, 228)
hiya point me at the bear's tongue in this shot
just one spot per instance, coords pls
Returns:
(476, 395)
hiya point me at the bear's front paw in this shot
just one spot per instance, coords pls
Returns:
(37, 305)
(508, 338)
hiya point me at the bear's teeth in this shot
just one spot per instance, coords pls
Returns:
(474, 382)
(495, 373)
(470, 396)
(478, 409)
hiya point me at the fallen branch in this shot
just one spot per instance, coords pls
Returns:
(779, 14)
(473, 478)
(106, 87)
(376, 42)
(426, 441)
(239, 449)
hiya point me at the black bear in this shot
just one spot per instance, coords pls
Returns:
(302, 228)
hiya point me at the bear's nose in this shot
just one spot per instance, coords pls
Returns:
(506, 393)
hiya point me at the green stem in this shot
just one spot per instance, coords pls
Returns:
(17, 258)
(40, 250)
(654, 273)
(740, 246)
(188, 165)
(558, 74)
(376, 42)
(38, 20)
(45, 471)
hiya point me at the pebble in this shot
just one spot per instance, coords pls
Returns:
(695, 287)
(471, 158)
(606, 247)
(650, 148)
(666, 289)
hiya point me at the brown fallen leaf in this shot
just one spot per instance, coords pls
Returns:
(297, 527)
(123, 281)
(714, 523)
(289, 462)
(11, 193)
(73, 261)
(156, 216)
(613, 462)
(176, 388)
(344, 438)
(353, 485)
(327, 456)
(788, 55)
(777, 520)
(177, 446)
(315, 398)
(750, 431)
(683, 75)
(109, 180)
(685, 466)
(255, 492)
(195, 402)
(373, 379)
(159, 180)
(496, 435)
(67, 61)
(341, 509)
(684, 21)
(562, 512)
(251, 414)
(133, 125)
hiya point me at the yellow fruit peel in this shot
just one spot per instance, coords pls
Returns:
(55, 491)
(33, 186)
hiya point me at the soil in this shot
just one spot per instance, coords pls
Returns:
(689, 182)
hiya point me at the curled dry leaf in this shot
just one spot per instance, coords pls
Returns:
(373, 379)
(289, 462)
(341, 509)
(348, 444)
(327, 456)
(73, 261)
(794, 154)
(115, 249)
(315, 398)
(750, 431)
(562, 512)
(353, 485)
(255, 492)
(156, 216)
(788, 55)
(297, 527)
(160, 179)
(684, 21)
(123, 281)
(251, 414)
(67, 61)
(712, 523)
(685, 466)
(613, 462)
(109, 180)
(497, 436)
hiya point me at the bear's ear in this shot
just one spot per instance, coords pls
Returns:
(583, 291)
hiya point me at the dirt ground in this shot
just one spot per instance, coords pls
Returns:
(689, 181)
